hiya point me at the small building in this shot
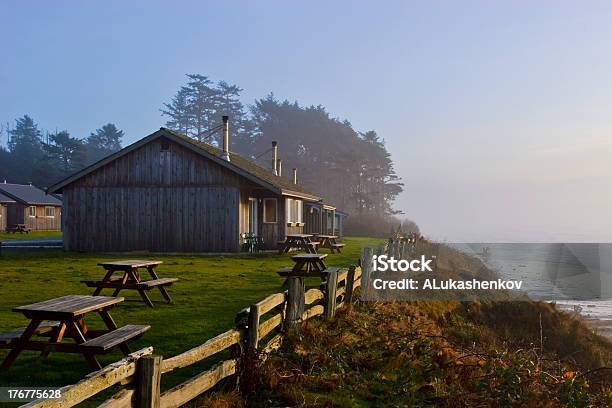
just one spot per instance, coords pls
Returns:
(32, 207)
(170, 193)
(4, 202)
(321, 218)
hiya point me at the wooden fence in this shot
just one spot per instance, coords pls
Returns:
(259, 328)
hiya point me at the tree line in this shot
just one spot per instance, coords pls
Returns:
(43, 159)
(352, 169)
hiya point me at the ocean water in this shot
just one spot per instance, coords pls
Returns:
(576, 276)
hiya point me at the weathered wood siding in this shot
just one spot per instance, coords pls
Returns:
(41, 222)
(14, 214)
(270, 232)
(159, 200)
(294, 229)
(327, 222)
(18, 213)
(312, 219)
(3, 214)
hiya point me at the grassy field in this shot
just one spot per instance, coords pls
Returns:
(211, 290)
(4, 236)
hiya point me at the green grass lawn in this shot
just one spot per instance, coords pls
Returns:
(32, 235)
(211, 290)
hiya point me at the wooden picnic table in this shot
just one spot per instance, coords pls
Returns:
(307, 265)
(131, 279)
(67, 319)
(15, 228)
(298, 241)
(329, 242)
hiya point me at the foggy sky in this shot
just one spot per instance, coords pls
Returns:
(498, 115)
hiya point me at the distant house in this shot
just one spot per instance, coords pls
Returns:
(170, 193)
(31, 206)
(4, 202)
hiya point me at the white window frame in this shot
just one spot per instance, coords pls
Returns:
(49, 207)
(295, 212)
(288, 205)
(265, 212)
(299, 207)
(30, 211)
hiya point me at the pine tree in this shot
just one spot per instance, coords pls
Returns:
(103, 142)
(67, 153)
(178, 111)
(198, 106)
(25, 146)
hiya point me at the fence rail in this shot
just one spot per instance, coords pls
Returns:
(263, 322)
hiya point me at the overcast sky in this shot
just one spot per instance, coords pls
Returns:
(498, 114)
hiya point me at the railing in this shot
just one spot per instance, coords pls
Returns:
(259, 330)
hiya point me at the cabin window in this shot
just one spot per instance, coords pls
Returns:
(294, 211)
(270, 210)
(50, 212)
(165, 145)
(299, 209)
(32, 211)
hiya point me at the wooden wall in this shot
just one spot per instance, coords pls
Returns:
(14, 214)
(327, 221)
(40, 222)
(160, 219)
(270, 232)
(18, 213)
(151, 199)
(3, 213)
(312, 220)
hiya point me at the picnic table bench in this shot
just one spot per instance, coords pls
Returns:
(65, 317)
(21, 228)
(329, 242)
(298, 241)
(130, 279)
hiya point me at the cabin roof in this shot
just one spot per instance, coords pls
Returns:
(5, 199)
(237, 164)
(27, 194)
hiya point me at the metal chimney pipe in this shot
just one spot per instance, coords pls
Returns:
(225, 153)
(294, 175)
(274, 157)
(280, 168)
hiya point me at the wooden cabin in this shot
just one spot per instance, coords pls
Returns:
(4, 202)
(32, 207)
(170, 193)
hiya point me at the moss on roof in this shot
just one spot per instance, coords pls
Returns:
(248, 166)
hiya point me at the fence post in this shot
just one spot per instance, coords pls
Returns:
(295, 302)
(350, 281)
(329, 290)
(366, 269)
(149, 375)
(253, 333)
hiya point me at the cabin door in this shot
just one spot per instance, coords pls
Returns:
(253, 219)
